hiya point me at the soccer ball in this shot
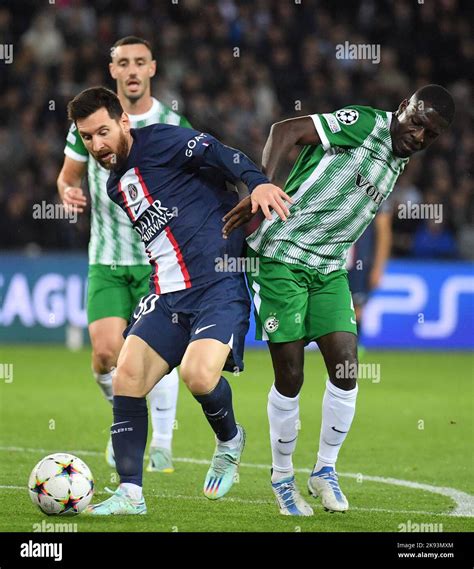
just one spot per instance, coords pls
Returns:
(61, 484)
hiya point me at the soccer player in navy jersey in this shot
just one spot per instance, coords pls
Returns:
(171, 183)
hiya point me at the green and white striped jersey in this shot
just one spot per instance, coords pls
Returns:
(112, 239)
(337, 188)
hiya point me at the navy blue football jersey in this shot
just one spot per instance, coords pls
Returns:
(173, 189)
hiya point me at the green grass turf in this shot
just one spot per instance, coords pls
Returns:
(432, 390)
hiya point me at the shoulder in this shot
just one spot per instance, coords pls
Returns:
(75, 148)
(164, 133)
(170, 116)
(164, 141)
(361, 116)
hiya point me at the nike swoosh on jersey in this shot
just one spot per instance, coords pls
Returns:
(199, 330)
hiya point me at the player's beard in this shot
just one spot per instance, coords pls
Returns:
(120, 156)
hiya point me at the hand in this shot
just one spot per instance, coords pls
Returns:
(263, 196)
(74, 199)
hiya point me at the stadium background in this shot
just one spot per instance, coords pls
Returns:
(409, 456)
(284, 66)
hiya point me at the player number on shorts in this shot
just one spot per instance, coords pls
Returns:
(146, 305)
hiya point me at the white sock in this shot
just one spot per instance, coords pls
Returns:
(338, 412)
(283, 416)
(134, 491)
(104, 381)
(162, 399)
(231, 443)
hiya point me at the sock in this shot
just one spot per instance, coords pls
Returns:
(104, 381)
(338, 412)
(129, 433)
(162, 399)
(283, 417)
(135, 492)
(217, 406)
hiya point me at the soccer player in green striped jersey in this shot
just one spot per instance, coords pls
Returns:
(348, 165)
(118, 266)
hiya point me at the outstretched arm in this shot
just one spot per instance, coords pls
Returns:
(283, 137)
(235, 165)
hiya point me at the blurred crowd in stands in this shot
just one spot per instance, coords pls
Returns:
(235, 67)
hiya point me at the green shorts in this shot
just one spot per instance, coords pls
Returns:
(293, 302)
(115, 290)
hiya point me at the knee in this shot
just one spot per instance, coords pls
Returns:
(290, 380)
(128, 380)
(104, 358)
(198, 377)
(345, 370)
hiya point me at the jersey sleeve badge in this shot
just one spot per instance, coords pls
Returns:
(347, 116)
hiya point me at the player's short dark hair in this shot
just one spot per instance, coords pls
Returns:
(91, 100)
(132, 40)
(440, 100)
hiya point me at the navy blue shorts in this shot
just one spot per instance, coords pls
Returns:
(218, 310)
(359, 284)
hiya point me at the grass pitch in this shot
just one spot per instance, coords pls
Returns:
(414, 426)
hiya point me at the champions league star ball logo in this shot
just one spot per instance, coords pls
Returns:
(132, 190)
(347, 116)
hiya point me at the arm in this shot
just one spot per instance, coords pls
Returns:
(383, 246)
(69, 181)
(281, 140)
(235, 165)
(204, 150)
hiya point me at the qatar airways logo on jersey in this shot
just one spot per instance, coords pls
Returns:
(152, 221)
(370, 189)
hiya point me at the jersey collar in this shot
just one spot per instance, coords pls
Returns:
(144, 116)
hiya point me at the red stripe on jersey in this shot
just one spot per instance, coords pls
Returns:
(124, 197)
(143, 185)
(179, 256)
(154, 264)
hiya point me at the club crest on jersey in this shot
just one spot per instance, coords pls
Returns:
(132, 191)
(347, 116)
(271, 324)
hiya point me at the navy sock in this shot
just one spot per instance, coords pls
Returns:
(217, 406)
(129, 433)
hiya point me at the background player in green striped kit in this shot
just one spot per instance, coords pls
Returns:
(118, 266)
(348, 164)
